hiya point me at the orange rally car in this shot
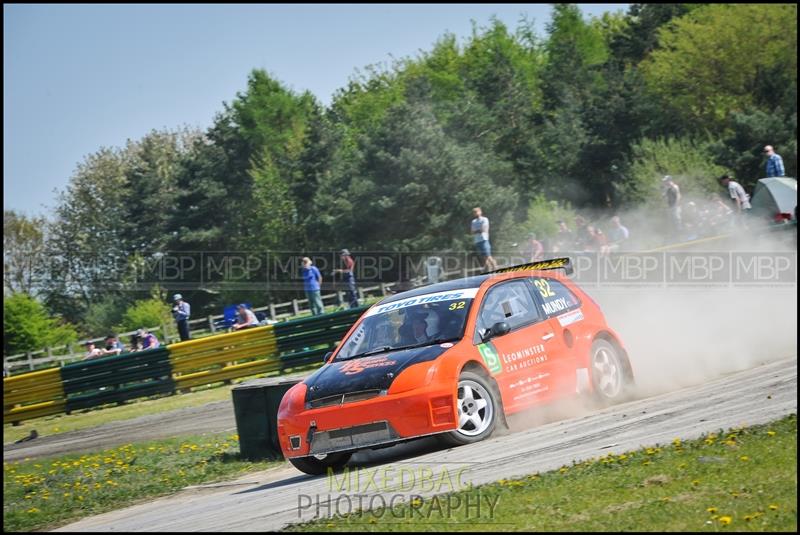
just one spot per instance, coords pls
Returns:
(453, 359)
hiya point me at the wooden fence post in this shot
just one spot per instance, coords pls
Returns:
(211, 325)
(30, 360)
(295, 307)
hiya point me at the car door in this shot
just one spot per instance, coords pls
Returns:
(520, 359)
(562, 310)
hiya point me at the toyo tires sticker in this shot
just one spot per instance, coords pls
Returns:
(490, 357)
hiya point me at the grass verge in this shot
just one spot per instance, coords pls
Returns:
(743, 479)
(46, 493)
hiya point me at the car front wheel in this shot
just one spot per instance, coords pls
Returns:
(478, 410)
(318, 464)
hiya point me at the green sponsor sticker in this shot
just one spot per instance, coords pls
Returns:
(490, 357)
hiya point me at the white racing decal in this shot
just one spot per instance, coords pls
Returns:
(556, 305)
(570, 317)
(466, 293)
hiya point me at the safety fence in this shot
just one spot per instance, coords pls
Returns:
(271, 349)
(200, 327)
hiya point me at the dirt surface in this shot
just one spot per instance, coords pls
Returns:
(210, 418)
(273, 499)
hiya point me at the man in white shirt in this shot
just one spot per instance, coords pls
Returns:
(246, 318)
(740, 198)
(480, 233)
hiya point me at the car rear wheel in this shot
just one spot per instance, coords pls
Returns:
(478, 410)
(318, 464)
(610, 379)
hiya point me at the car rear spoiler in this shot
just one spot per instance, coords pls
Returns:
(555, 263)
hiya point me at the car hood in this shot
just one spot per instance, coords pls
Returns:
(376, 372)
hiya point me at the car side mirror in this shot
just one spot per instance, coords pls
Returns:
(326, 357)
(498, 329)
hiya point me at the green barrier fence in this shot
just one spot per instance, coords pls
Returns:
(272, 349)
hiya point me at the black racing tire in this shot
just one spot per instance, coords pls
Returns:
(316, 466)
(479, 403)
(609, 370)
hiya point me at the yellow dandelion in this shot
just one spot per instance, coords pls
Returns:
(773, 507)
(696, 482)
(771, 433)
(725, 520)
(748, 518)
(744, 458)
(712, 510)
(33, 510)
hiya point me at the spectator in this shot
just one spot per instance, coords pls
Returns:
(583, 238)
(92, 352)
(618, 235)
(312, 283)
(149, 340)
(136, 341)
(348, 265)
(718, 215)
(533, 248)
(181, 311)
(433, 269)
(113, 345)
(598, 241)
(564, 238)
(774, 162)
(480, 233)
(739, 197)
(673, 195)
(245, 318)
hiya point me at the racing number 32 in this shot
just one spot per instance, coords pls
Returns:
(544, 288)
(457, 306)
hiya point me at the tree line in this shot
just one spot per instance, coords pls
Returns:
(585, 117)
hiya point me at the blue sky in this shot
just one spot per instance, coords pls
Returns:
(79, 77)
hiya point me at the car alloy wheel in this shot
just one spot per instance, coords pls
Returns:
(475, 408)
(608, 373)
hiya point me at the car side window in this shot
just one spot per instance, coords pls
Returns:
(510, 302)
(555, 297)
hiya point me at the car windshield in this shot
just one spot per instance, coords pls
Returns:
(416, 321)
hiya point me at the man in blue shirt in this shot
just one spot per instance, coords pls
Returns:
(774, 162)
(312, 281)
(181, 311)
